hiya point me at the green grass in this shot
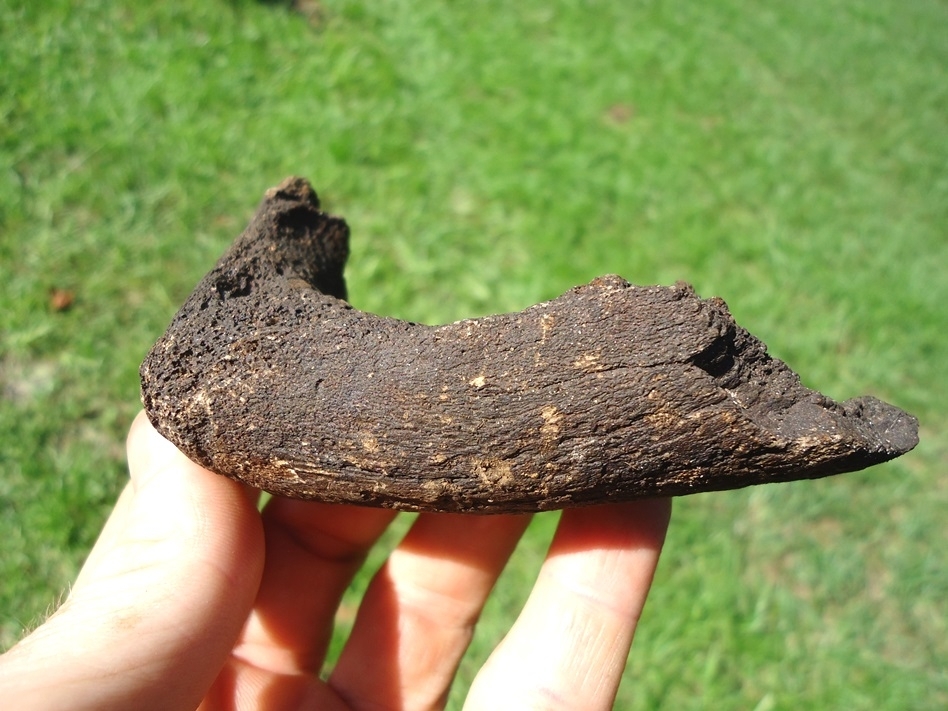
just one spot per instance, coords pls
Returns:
(789, 157)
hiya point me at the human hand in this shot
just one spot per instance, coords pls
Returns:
(192, 598)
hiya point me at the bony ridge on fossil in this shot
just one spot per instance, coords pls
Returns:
(607, 393)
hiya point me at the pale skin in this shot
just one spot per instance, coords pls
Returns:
(192, 598)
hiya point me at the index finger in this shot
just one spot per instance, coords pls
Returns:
(313, 550)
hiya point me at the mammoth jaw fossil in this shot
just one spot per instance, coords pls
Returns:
(609, 392)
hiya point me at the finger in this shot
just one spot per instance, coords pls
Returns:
(161, 599)
(418, 615)
(569, 646)
(313, 550)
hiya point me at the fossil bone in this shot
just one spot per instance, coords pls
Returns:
(609, 392)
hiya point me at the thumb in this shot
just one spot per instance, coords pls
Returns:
(160, 600)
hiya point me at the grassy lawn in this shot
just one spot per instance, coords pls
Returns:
(788, 157)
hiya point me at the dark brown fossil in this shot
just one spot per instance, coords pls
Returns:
(607, 393)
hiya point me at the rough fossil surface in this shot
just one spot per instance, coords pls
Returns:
(607, 393)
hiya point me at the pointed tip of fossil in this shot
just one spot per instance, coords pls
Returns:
(888, 429)
(294, 188)
(848, 436)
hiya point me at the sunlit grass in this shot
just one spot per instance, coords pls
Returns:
(789, 158)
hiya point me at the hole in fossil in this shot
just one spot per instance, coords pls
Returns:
(231, 285)
(717, 360)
